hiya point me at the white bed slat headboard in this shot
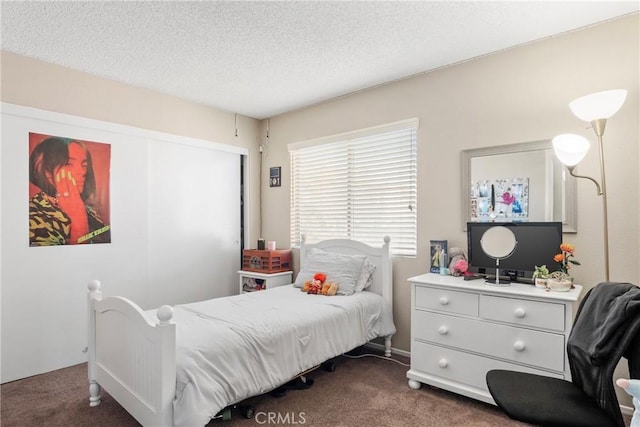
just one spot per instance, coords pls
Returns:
(379, 256)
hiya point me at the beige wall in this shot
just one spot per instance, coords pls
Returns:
(516, 95)
(32, 83)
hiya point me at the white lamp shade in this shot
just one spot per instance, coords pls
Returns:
(599, 105)
(570, 149)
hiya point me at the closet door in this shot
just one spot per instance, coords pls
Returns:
(194, 222)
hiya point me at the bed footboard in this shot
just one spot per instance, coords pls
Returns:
(132, 357)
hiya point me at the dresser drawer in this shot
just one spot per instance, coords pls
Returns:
(447, 301)
(461, 367)
(537, 314)
(536, 348)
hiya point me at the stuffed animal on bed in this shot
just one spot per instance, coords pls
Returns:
(319, 286)
(632, 387)
(325, 288)
(312, 286)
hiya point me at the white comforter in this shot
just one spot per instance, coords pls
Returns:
(232, 348)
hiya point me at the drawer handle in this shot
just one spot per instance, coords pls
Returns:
(520, 312)
(443, 330)
(444, 300)
(518, 346)
(443, 363)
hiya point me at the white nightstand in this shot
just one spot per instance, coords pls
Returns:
(462, 329)
(251, 281)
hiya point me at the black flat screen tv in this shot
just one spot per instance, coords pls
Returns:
(538, 243)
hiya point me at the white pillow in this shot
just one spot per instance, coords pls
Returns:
(366, 275)
(346, 270)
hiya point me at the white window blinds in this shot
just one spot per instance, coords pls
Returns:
(360, 186)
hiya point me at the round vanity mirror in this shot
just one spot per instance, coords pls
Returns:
(498, 242)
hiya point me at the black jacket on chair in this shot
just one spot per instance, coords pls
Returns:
(606, 327)
(606, 313)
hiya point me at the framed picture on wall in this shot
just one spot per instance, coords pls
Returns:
(274, 176)
(503, 197)
(69, 195)
(438, 249)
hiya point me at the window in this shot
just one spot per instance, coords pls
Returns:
(360, 185)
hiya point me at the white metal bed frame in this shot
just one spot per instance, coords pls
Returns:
(134, 357)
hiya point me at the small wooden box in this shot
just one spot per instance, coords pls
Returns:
(266, 261)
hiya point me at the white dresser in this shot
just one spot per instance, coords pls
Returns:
(462, 329)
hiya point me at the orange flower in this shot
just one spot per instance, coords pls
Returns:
(565, 257)
(567, 247)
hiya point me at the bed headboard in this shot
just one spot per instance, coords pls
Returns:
(383, 279)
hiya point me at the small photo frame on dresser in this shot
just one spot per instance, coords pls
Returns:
(437, 249)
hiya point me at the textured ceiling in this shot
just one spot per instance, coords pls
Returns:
(261, 59)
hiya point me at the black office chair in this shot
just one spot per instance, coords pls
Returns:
(606, 328)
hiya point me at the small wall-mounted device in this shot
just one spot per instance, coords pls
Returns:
(274, 176)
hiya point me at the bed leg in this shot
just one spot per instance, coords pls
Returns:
(94, 387)
(387, 346)
(94, 393)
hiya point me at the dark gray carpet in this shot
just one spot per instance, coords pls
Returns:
(366, 391)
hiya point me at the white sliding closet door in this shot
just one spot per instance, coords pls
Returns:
(194, 222)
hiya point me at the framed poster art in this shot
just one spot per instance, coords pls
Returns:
(503, 197)
(438, 249)
(68, 191)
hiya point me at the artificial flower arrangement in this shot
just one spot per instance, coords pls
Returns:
(565, 257)
(565, 260)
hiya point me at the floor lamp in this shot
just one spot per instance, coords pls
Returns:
(571, 149)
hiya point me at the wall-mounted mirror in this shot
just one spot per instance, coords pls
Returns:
(517, 182)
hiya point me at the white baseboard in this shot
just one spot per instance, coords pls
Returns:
(626, 410)
(393, 350)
